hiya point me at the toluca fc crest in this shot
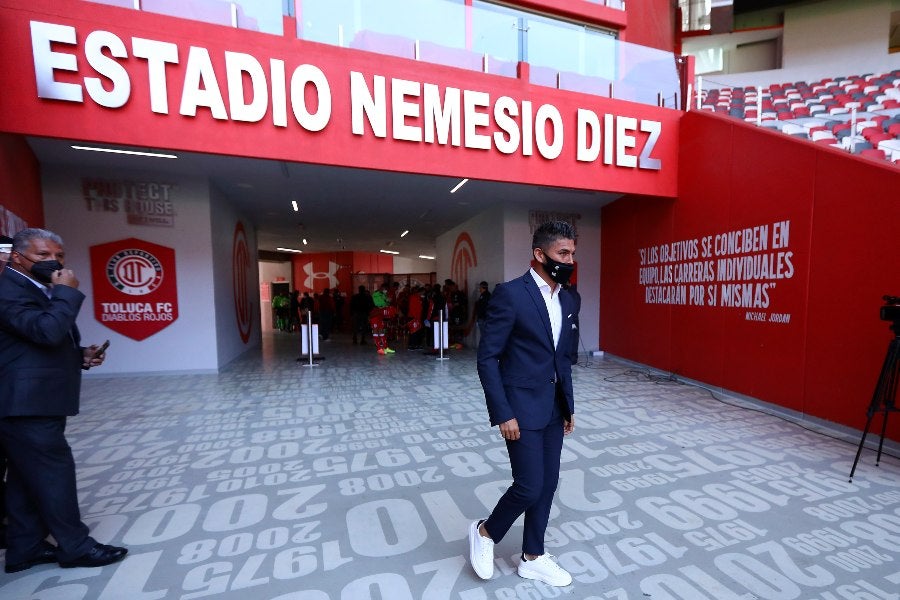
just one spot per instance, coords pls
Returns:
(135, 291)
(134, 272)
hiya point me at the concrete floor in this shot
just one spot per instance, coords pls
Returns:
(356, 480)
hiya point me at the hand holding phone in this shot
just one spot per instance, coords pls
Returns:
(99, 351)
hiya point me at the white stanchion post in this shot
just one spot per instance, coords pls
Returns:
(441, 337)
(309, 337)
(759, 108)
(852, 129)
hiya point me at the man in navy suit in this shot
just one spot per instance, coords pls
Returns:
(526, 372)
(5, 249)
(40, 381)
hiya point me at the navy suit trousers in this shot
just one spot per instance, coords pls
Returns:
(41, 492)
(534, 459)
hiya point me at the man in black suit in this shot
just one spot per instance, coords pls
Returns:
(525, 369)
(40, 381)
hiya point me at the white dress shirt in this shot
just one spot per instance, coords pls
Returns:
(554, 308)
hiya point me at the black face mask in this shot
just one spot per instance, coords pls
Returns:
(558, 272)
(43, 270)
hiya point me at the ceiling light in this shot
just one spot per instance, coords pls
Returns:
(131, 152)
(458, 185)
(295, 205)
(389, 251)
(404, 233)
(426, 257)
(305, 242)
(289, 250)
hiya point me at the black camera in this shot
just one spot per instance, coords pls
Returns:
(891, 310)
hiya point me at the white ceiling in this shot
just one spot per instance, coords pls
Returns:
(340, 208)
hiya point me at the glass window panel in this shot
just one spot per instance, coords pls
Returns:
(557, 45)
(261, 15)
(600, 60)
(328, 22)
(495, 32)
(255, 15)
(645, 73)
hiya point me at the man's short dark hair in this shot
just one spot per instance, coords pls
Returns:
(22, 240)
(551, 231)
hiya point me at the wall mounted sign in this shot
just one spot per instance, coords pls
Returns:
(135, 288)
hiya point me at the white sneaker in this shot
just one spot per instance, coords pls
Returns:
(544, 568)
(481, 552)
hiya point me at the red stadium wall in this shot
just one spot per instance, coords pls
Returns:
(20, 183)
(651, 23)
(805, 333)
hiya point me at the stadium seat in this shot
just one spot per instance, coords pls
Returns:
(827, 142)
(855, 144)
(873, 153)
(822, 135)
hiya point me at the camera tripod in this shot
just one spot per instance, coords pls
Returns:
(883, 400)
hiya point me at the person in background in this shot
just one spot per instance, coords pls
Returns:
(326, 314)
(415, 313)
(295, 310)
(382, 301)
(40, 384)
(458, 308)
(526, 372)
(339, 301)
(360, 306)
(281, 304)
(307, 307)
(481, 304)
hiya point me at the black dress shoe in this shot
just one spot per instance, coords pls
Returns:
(98, 556)
(47, 555)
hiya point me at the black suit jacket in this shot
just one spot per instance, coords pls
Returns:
(522, 374)
(40, 355)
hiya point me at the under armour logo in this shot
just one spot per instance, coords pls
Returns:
(331, 275)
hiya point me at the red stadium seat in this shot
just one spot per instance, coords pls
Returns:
(878, 137)
(873, 153)
(840, 127)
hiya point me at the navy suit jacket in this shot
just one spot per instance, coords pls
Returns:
(40, 355)
(522, 374)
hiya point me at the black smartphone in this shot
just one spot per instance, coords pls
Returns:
(101, 349)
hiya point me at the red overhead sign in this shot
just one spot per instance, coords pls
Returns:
(159, 82)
